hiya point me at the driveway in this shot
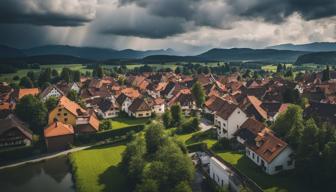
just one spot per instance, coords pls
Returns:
(205, 124)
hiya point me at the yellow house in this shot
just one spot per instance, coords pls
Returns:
(66, 112)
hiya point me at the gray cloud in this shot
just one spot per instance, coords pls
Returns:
(48, 12)
(276, 11)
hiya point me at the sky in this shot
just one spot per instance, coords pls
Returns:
(188, 26)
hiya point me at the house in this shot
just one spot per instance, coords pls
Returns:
(228, 120)
(223, 175)
(139, 108)
(58, 136)
(214, 103)
(324, 111)
(67, 87)
(271, 153)
(51, 91)
(253, 108)
(158, 106)
(19, 93)
(185, 99)
(14, 132)
(69, 112)
(274, 109)
(167, 92)
(108, 108)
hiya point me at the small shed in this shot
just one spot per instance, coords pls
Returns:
(59, 136)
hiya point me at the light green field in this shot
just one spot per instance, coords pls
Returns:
(283, 182)
(22, 72)
(98, 169)
(121, 122)
(273, 68)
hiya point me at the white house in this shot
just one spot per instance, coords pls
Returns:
(158, 106)
(228, 120)
(107, 108)
(223, 175)
(270, 153)
(51, 91)
(124, 102)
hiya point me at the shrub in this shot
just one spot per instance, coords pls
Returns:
(105, 125)
(222, 144)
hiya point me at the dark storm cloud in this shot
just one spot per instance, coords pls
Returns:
(47, 12)
(278, 10)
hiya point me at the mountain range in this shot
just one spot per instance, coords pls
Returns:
(310, 47)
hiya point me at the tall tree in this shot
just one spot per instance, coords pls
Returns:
(154, 135)
(31, 110)
(167, 119)
(199, 94)
(326, 74)
(176, 113)
(51, 103)
(66, 75)
(26, 82)
(77, 76)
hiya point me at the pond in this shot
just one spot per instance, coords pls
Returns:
(52, 175)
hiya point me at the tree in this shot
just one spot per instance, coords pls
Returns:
(154, 137)
(66, 75)
(148, 185)
(326, 74)
(73, 96)
(45, 76)
(54, 73)
(51, 103)
(289, 125)
(178, 70)
(77, 76)
(105, 125)
(98, 72)
(16, 78)
(31, 75)
(167, 119)
(198, 93)
(190, 126)
(176, 113)
(279, 68)
(182, 187)
(31, 110)
(291, 96)
(26, 82)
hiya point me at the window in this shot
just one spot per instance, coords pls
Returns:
(257, 159)
(140, 115)
(278, 168)
(253, 155)
(248, 152)
(65, 119)
(238, 112)
(58, 114)
(290, 162)
(147, 114)
(59, 110)
(65, 114)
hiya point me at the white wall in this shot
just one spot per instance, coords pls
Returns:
(226, 128)
(219, 172)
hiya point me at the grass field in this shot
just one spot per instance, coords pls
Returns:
(22, 72)
(283, 182)
(121, 122)
(190, 138)
(98, 169)
(273, 68)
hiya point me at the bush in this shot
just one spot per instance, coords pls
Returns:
(105, 125)
(222, 144)
(190, 125)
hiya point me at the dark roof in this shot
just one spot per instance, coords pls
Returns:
(139, 104)
(13, 122)
(215, 103)
(168, 88)
(121, 98)
(106, 105)
(271, 108)
(226, 110)
(324, 111)
(249, 130)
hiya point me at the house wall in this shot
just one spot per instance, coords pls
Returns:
(13, 137)
(59, 143)
(142, 114)
(62, 115)
(109, 114)
(283, 159)
(126, 104)
(52, 93)
(159, 109)
(226, 128)
(219, 172)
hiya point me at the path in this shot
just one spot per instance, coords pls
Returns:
(205, 125)
(44, 157)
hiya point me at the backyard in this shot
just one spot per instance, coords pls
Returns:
(280, 182)
(122, 122)
(98, 169)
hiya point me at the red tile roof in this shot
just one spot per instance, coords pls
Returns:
(58, 129)
(257, 105)
(71, 106)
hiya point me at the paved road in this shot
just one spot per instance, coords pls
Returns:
(205, 125)
(44, 157)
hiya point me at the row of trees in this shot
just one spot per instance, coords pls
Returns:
(314, 144)
(156, 163)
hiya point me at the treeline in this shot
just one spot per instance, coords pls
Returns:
(323, 58)
(314, 144)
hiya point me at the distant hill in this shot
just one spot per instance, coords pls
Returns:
(45, 59)
(93, 52)
(310, 47)
(7, 52)
(246, 54)
(324, 58)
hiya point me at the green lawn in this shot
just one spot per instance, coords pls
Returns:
(283, 182)
(98, 169)
(22, 72)
(190, 138)
(121, 122)
(273, 68)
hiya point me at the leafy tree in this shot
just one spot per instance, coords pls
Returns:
(326, 74)
(66, 74)
(31, 75)
(98, 72)
(73, 96)
(182, 187)
(26, 82)
(16, 78)
(51, 103)
(105, 125)
(77, 76)
(148, 185)
(279, 68)
(176, 113)
(289, 125)
(291, 96)
(31, 110)
(154, 137)
(167, 119)
(198, 93)
(45, 76)
(54, 73)
(191, 125)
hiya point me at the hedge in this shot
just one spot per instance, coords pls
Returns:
(109, 134)
(197, 147)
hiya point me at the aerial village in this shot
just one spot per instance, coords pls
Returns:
(258, 117)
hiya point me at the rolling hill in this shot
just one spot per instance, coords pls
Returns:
(310, 47)
(324, 58)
